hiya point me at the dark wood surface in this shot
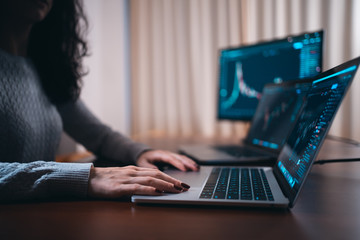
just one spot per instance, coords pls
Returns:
(328, 208)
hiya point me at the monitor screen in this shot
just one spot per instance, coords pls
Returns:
(318, 111)
(276, 113)
(245, 70)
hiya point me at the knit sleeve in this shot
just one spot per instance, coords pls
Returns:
(97, 137)
(41, 180)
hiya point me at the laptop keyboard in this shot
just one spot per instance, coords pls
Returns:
(238, 151)
(237, 183)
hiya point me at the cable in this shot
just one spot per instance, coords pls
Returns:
(336, 161)
(344, 140)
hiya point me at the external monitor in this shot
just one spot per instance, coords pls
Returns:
(245, 70)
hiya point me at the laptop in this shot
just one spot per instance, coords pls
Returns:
(280, 185)
(243, 73)
(273, 120)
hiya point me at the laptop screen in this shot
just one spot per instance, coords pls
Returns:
(276, 113)
(318, 111)
(245, 70)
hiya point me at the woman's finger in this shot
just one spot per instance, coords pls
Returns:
(146, 164)
(158, 184)
(188, 163)
(160, 175)
(172, 160)
(135, 189)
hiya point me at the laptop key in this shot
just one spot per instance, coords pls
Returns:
(246, 190)
(266, 185)
(210, 184)
(226, 183)
(233, 191)
(258, 188)
(220, 191)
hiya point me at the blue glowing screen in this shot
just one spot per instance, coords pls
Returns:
(318, 111)
(245, 70)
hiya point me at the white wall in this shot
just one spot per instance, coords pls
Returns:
(106, 88)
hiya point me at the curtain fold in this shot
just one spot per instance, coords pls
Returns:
(175, 48)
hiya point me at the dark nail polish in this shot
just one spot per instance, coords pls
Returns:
(158, 191)
(185, 185)
(178, 188)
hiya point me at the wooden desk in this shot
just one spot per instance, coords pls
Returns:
(328, 208)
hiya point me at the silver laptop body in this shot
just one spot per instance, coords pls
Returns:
(293, 164)
(197, 181)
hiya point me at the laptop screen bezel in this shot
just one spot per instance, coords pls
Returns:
(289, 192)
(259, 44)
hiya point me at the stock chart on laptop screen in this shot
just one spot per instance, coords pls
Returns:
(319, 109)
(245, 70)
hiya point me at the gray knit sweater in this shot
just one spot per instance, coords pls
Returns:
(30, 129)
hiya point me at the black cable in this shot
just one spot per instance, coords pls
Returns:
(344, 140)
(337, 160)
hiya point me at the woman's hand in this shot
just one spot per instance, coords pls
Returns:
(149, 158)
(126, 181)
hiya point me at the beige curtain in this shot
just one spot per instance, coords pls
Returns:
(106, 87)
(174, 47)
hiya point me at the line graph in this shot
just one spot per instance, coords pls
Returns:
(240, 87)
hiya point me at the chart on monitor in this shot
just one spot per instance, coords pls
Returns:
(245, 70)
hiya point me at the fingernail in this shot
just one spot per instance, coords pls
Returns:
(178, 188)
(158, 191)
(185, 185)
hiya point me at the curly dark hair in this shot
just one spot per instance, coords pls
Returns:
(57, 47)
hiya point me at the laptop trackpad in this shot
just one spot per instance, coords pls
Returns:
(194, 179)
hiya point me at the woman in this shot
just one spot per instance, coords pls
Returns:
(40, 79)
